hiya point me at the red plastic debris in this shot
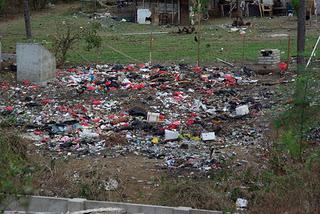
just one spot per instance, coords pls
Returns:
(96, 102)
(4, 85)
(34, 87)
(230, 80)
(91, 88)
(190, 122)
(197, 69)
(174, 125)
(283, 67)
(192, 114)
(111, 116)
(162, 72)
(162, 117)
(46, 101)
(26, 82)
(85, 124)
(130, 68)
(9, 108)
(177, 77)
(96, 120)
(72, 70)
(62, 108)
(37, 132)
(137, 86)
(177, 93)
(44, 140)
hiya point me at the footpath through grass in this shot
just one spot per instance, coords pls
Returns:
(166, 48)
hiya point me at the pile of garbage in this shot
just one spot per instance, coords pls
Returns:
(191, 117)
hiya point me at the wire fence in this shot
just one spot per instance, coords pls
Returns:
(175, 48)
(171, 48)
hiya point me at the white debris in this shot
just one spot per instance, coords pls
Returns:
(171, 135)
(241, 203)
(242, 110)
(153, 117)
(111, 184)
(208, 136)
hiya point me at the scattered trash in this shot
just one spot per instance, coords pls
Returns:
(171, 113)
(111, 185)
(241, 203)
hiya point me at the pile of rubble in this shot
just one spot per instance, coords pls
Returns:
(191, 117)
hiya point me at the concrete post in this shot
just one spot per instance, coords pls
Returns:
(35, 63)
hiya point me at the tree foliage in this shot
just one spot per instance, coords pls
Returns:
(2, 4)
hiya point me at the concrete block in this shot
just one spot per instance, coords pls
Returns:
(108, 210)
(76, 204)
(182, 210)
(103, 204)
(48, 204)
(34, 204)
(205, 212)
(35, 63)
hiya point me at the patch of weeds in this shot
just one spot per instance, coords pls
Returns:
(193, 192)
(8, 121)
(15, 173)
(85, 190)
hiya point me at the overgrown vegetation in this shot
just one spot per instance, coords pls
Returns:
(15, 173)
(291, 184)
(193, 192)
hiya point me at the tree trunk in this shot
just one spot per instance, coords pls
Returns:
(301, 35)
(27, 21)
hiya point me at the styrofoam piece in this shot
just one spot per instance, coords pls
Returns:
(242, 110)
(171, 135)
(153, 117)
(208, 136)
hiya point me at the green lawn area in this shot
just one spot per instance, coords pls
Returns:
(216, 41)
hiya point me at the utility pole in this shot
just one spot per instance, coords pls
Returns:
(301, 35)
(27, 21)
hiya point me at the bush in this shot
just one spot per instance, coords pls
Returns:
(70, 33)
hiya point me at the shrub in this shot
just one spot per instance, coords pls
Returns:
(70, 33)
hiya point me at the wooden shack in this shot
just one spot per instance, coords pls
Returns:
(174, 12)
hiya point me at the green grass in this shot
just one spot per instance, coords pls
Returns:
(166, 48)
